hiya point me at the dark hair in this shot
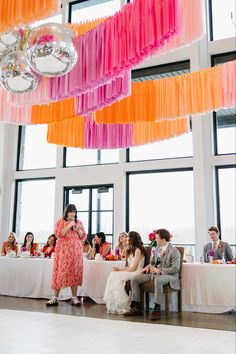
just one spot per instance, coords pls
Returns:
(164, 234)
(135, 242)
(214, 228)
(32, 242)
(86, 242)
(102, 236)
(55, 240)
(68, 209)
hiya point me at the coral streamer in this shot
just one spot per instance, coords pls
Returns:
(89, 135)
(193, 93)
(23, 12)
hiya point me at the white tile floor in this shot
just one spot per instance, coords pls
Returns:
(39, 333)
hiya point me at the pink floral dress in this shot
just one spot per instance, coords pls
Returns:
(68, 260)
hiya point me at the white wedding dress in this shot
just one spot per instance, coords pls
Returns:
(117, 300)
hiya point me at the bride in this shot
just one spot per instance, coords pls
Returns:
(117, 300)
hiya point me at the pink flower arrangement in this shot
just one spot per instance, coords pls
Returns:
(211, 252)
(152, 239)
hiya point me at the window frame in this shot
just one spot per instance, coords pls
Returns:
(217, 193)
(217, 59)
(17, 181)
(166, 170)
(66, 191)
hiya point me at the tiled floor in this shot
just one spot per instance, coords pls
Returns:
(91, 309)
(39, 333)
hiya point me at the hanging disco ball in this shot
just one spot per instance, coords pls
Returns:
(16, 75)
(50, 51)
(9, 42)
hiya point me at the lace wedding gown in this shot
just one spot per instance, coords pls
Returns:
(117, 300)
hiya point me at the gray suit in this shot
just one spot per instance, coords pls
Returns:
(169, 264)
(224, 249)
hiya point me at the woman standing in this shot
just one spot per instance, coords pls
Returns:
(10, 244)
(117, 300)
(68, 260)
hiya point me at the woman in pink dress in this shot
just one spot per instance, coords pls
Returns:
(68, 259)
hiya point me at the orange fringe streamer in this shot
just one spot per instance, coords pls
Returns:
(70, 133)
(23, 12)
(67, 133)
(173, 97)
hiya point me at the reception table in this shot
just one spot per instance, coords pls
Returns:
(205, 287)
(208, 287)
(32, 278)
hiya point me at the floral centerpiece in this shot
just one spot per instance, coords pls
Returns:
(152, 239)
(211, 252)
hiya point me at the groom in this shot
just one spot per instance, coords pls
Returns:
(163, 269)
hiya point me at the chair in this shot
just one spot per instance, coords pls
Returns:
(149, 288)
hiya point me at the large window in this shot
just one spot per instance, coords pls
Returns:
(226, 203)
(176, 147)
(223, 20)
(82, 157)
(84, 10)
(34, 152)
(225, 119)
(34, 208)
(162, 199)
(95, 208)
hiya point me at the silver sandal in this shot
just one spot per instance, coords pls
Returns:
(52, 302)
(75, 301)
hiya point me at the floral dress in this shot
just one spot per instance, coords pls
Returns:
(68, 260)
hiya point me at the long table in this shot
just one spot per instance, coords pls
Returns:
(205, 287)
(32, 278)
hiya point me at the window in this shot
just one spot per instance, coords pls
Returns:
(222, 19)
(226, 203)
(95, 208)
(162, 199)
(84, 10)
(80, 157)
(34, 152)
(180, 146)
(34, 209)
(224, 119)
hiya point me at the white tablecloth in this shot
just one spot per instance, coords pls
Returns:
(208, 287)
(32, 278)
(205, 287)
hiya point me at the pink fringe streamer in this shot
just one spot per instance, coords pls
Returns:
(106, 136)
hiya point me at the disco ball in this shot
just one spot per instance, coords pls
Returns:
(50, 51)
(16, 75)
(9, 42)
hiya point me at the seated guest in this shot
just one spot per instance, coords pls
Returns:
(100, 246)
(10, 244)
(86, 246)
(217, 248)
(122, 246)
(29, 244)
(163, 269)
(117, 300)
(49, 248)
